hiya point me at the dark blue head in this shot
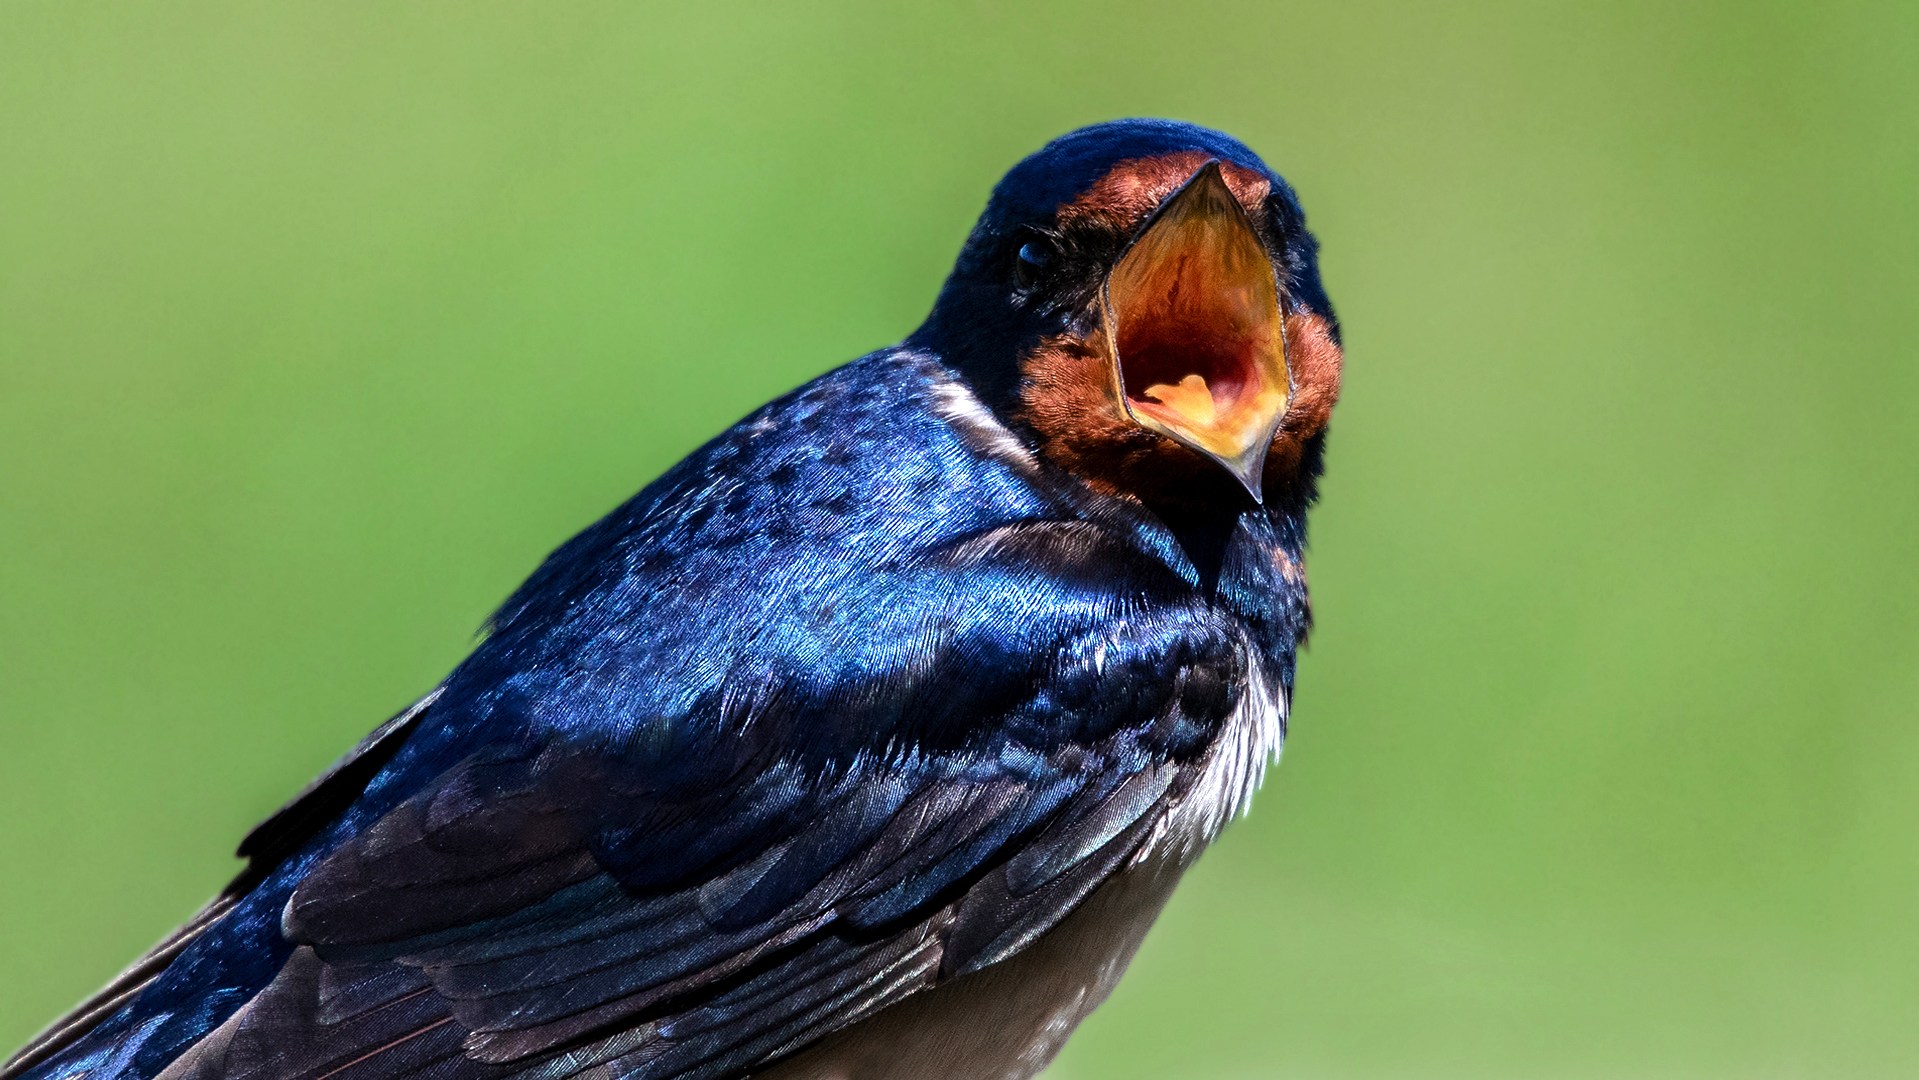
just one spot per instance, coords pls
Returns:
(1142, 300)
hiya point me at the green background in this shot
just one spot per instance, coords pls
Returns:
(321, 324)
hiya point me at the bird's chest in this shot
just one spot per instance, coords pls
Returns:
(1007, 1021)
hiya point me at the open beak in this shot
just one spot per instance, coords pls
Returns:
(1195, 331)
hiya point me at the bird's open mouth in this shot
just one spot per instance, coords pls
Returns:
(1193, 319)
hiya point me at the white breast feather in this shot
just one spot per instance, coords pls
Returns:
(1232, 772)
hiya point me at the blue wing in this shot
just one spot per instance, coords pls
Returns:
(713, 891)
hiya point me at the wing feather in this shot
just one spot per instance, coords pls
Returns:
(711, 891)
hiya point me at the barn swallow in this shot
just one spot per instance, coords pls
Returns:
(864, 743)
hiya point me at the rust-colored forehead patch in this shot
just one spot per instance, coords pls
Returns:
(1126, 195)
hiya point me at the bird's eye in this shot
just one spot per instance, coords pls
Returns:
(1034, 255)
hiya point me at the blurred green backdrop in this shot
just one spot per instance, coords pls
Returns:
(321, 324)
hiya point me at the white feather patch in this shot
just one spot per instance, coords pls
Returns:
(955, 403)
(1234, 768)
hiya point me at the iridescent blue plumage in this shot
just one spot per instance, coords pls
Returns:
(862, 696)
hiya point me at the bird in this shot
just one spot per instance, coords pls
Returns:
(868, 740)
